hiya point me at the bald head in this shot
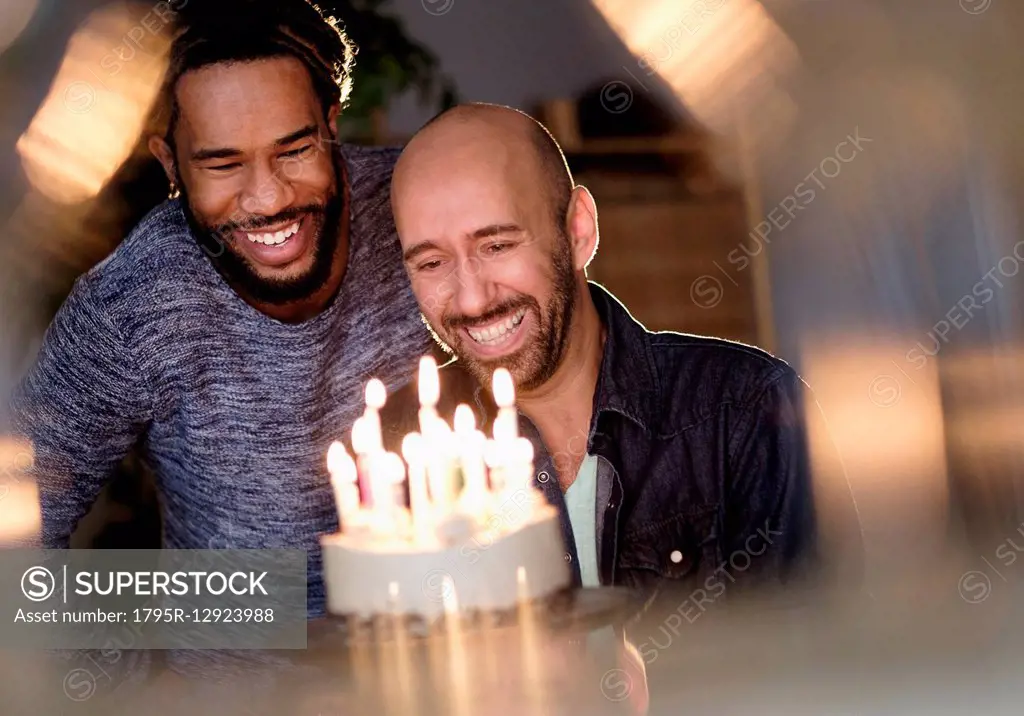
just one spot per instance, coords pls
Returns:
(495, 239)
(502, 138)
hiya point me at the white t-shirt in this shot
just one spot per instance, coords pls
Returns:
(581, 502)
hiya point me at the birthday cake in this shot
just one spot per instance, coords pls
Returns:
(454, 524)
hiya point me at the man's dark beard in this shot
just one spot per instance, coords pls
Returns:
(217, 242)
(534, 364)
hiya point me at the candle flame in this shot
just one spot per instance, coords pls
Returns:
(376, 394)
(446, 440)
(493, 453)
(412, 448)
(360, 440)
(504, 390)
(523, 450)
(429, 382)
(394, 467)
(441, 430)
(465, 421)
(340, 464)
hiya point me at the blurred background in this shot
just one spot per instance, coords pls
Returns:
(838, 182)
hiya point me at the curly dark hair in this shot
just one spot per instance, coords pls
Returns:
(211, 32)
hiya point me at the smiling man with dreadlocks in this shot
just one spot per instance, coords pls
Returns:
(229, 335)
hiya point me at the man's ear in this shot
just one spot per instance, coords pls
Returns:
(581, 227)
(332, 121)
(162, 151)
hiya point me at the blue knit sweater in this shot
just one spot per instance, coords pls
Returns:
(234, 410)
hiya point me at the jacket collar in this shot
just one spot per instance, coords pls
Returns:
(628, 381)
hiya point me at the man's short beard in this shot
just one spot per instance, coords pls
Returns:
(237, 270)
(535, 363)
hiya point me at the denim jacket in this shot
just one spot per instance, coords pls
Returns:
(702, 459)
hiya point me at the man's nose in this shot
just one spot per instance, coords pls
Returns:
(472, 291)
(268, 192)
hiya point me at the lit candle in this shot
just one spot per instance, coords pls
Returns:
(471, 458)
(465, 421)
(386, 481)
(362, 445)
(441, 468)
(343, 480)
(368, 444)
(506, 424)
(519, 488)
(496, 458)
(506, 429)
(429, 385)
(520, 461)
(419, 500)
(376, 396)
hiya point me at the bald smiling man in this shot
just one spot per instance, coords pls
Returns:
(669, 456)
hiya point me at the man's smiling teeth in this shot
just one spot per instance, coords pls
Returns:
(275, 238)
(497, 332)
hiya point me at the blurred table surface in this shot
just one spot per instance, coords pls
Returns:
(937, 645)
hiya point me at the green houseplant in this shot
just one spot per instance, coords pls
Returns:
(388, 63)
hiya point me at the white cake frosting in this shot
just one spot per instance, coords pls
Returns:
(515, 555)
(475, 535)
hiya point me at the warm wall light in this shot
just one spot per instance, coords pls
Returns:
(97, 104)
(14, 18)
(20, 517)
(723, 58)
(886, 420)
